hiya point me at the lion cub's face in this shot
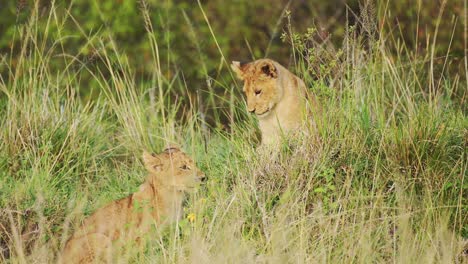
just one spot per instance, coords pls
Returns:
(260, 85)
(173, 168)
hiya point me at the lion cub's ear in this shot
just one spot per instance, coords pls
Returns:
(269, 69)
(236, 67)
(152, 162)
(171, 149)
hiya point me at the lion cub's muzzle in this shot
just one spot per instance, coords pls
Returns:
(203, 178)
(264, 113)
(258, 112)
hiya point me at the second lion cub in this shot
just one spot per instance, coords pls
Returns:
(158, 200)
(279, 99)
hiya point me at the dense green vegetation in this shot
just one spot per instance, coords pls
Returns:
(85, 88)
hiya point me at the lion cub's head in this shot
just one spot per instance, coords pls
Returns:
(173, 168)
(260, 85)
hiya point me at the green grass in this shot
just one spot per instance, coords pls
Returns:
(381, 180)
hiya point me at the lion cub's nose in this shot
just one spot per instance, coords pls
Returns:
(203, 178)
(251, 110)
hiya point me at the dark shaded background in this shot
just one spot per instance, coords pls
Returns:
(244, 30)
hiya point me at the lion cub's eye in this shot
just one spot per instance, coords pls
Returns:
(185, 167)
(257, 92)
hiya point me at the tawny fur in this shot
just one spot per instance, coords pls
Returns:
(126, 221)
(275, 95)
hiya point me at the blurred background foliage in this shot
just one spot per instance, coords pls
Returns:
(243, 29)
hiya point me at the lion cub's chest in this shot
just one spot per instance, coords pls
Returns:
(287, 118)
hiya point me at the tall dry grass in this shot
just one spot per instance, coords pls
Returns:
(383, 181)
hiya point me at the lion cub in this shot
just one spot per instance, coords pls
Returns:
(158, 200)
(275, 95)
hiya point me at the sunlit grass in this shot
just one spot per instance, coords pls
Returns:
(383, 181)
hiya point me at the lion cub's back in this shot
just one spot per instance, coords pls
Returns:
(108, 220)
